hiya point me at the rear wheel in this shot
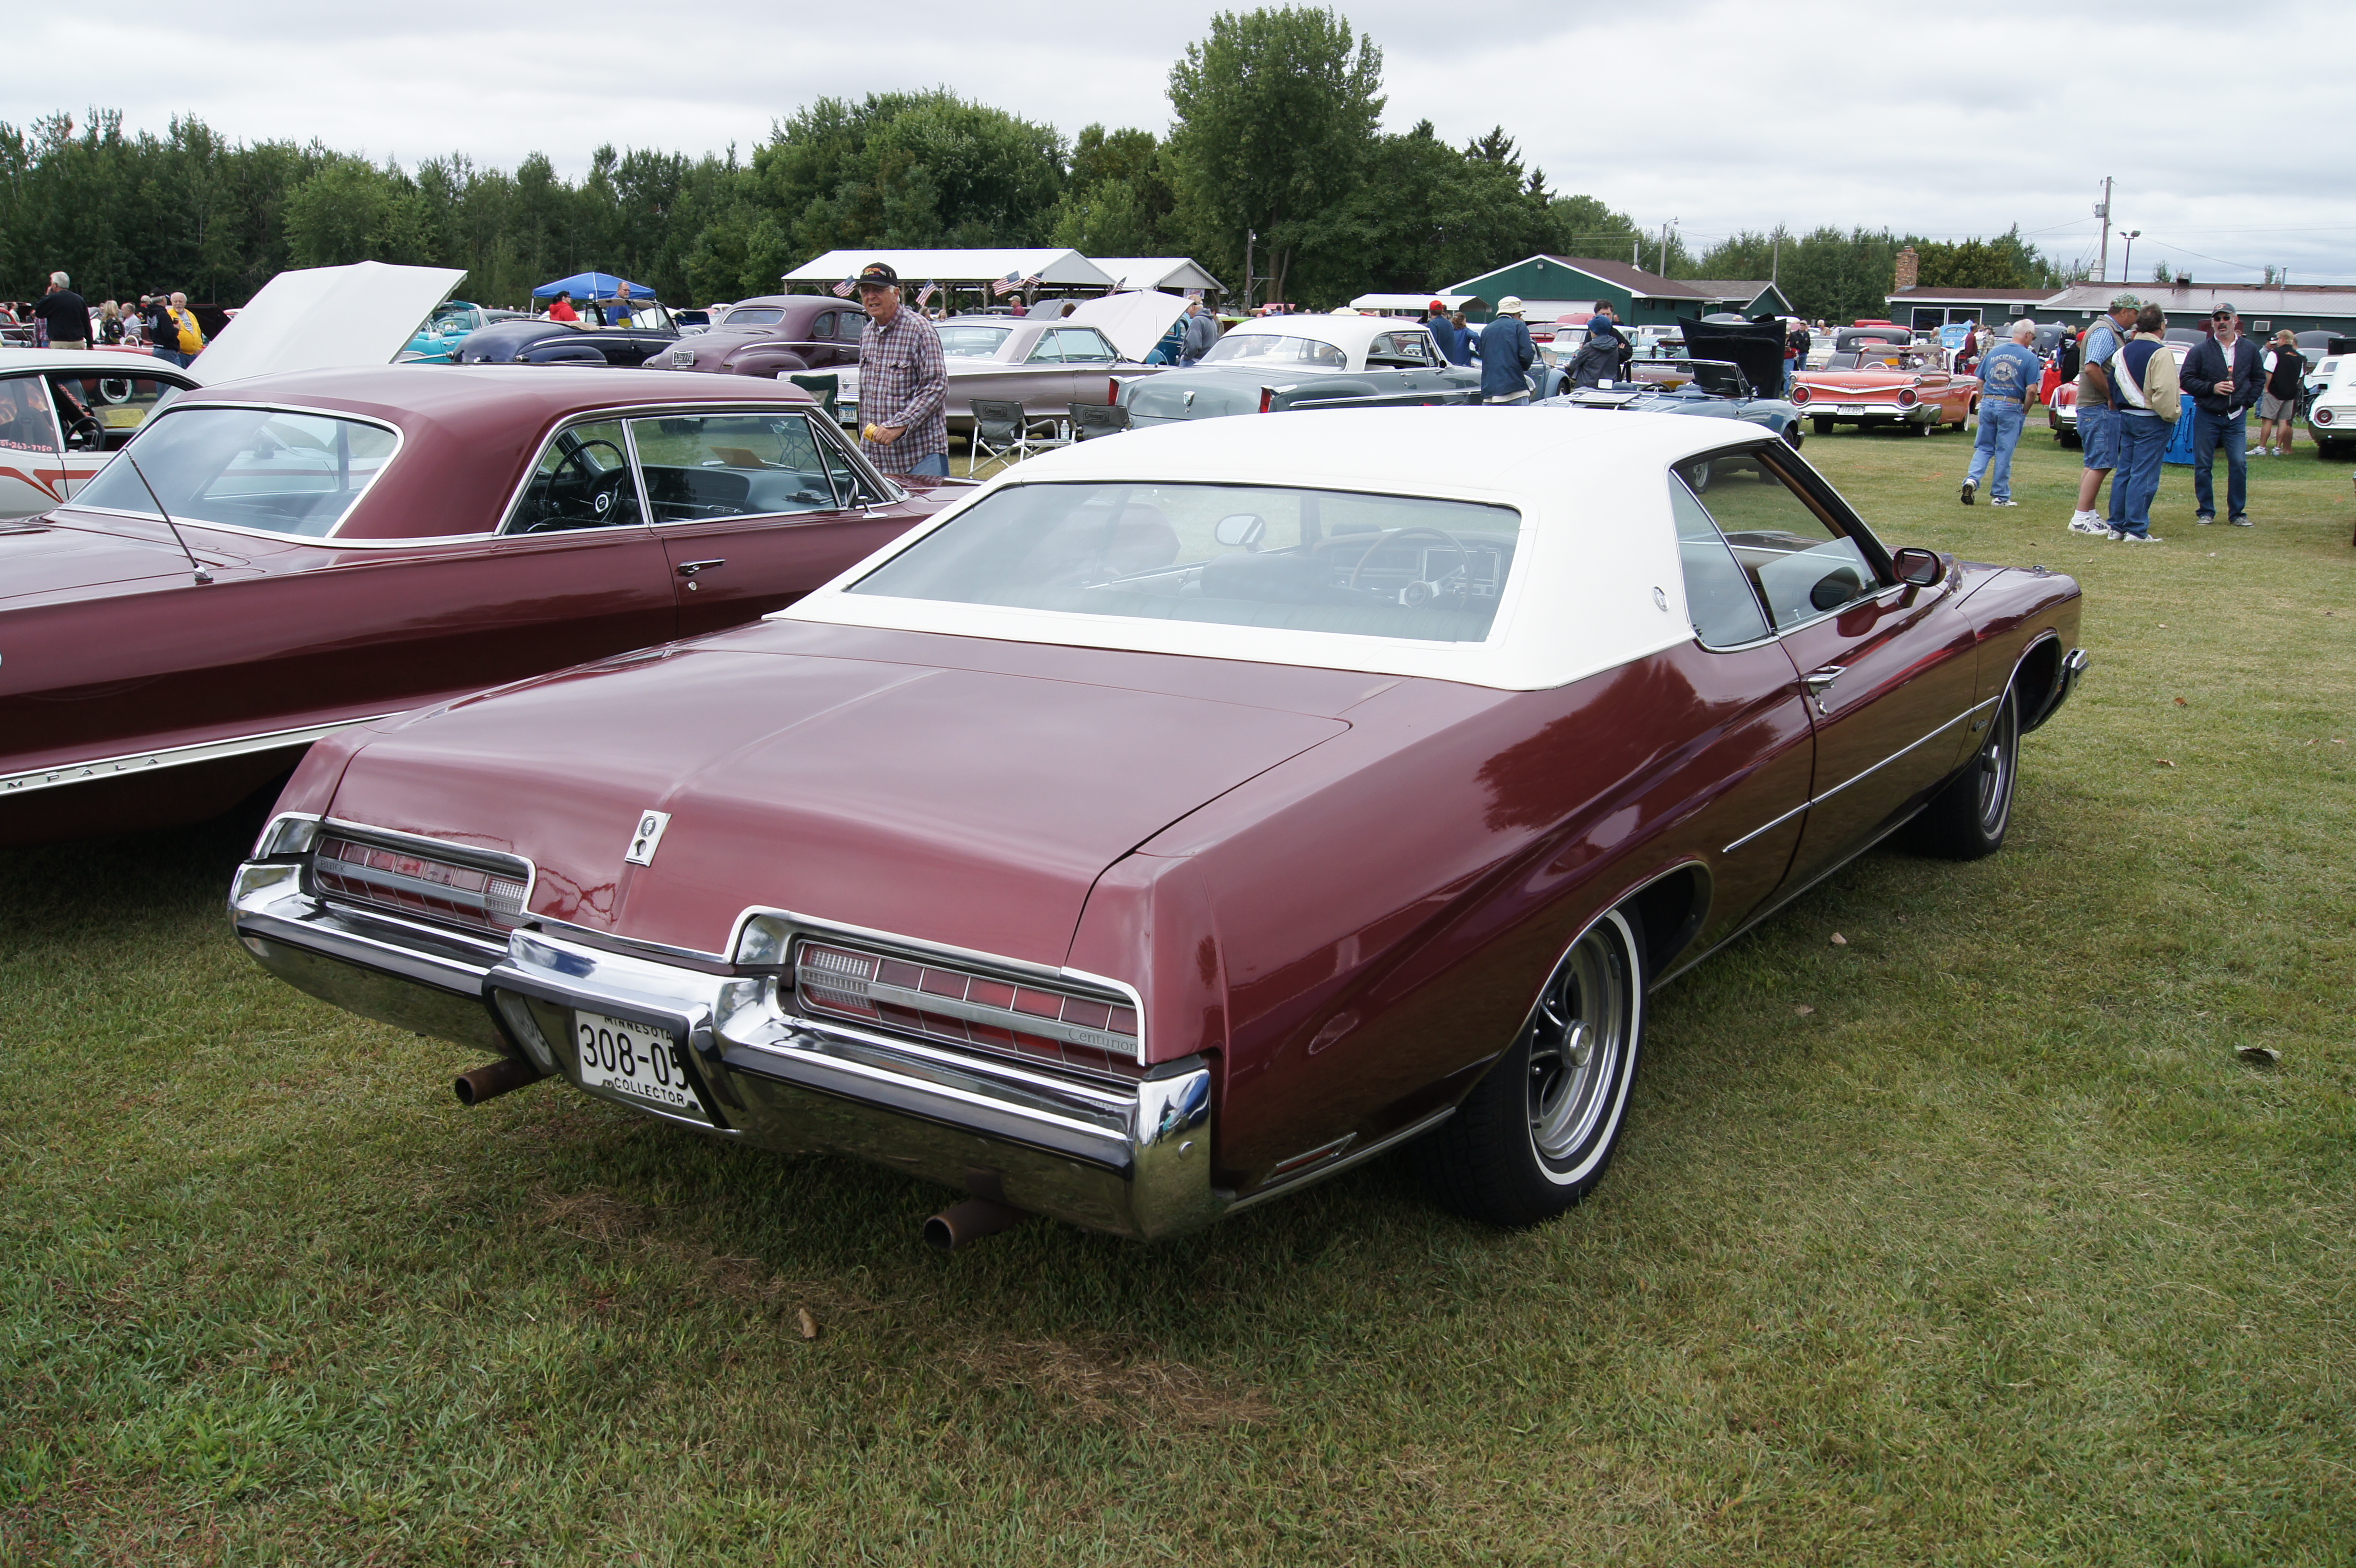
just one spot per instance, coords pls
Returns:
(1966, 820)
(1536, 1134)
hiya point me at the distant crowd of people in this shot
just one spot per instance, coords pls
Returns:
(60, 318)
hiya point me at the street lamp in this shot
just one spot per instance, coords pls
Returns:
(2126, 267)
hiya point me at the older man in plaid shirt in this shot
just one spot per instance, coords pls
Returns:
(903, 382)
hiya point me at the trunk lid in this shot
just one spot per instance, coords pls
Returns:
(974, 807)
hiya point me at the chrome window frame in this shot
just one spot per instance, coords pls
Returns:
(1844, 517)
(540, 452)
(814, 418)
(400, 445)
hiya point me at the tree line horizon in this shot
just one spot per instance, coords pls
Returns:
(1275, 133)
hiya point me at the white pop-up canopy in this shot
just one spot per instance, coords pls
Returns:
(1054, 269)
(1415, 303)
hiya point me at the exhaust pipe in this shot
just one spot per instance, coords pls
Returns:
(968, 1222)
(493, 1078)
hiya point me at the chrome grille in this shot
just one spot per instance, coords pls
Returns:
(412, 882)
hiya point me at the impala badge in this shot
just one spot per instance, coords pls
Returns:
(648, 838)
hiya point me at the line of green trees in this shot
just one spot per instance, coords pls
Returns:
(1275, 150)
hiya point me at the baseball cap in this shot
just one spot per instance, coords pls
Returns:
(2126, 302)
(1436, 305)
(2224, 308)
(878, 274)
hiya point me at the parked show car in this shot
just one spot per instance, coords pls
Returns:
(2061, 408)
(1045, 362)
(1182, 818)
(1275, 362)
(1917, 402)
(437, 342)
(2331, 417)
(1712, 388)
(776, 334)
(533, 341)
(334, 546)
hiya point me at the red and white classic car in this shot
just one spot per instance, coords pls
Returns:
(269, 559)
(1865, 394)
(1182, 818)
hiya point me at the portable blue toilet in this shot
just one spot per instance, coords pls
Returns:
(2180, 440)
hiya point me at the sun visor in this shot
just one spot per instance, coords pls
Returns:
(326, 319)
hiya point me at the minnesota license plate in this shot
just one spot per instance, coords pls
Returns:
(1852, 408)
(635, 1061)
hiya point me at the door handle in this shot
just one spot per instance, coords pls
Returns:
(1819, 681)
(690, 568)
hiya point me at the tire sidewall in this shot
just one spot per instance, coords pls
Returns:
(1552, 1185)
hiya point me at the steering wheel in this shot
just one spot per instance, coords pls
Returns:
(604, 487)
(1463, 557)
(85, 433)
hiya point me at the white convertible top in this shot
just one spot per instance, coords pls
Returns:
(1595, 580)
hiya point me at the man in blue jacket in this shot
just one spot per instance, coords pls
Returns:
(1507, 355)
(1442, 330)
(2223, 377)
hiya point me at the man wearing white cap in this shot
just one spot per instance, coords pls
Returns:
(1507, 355)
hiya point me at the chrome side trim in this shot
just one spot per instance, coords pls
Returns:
(1357, 1158)
(1777, 905)
(1862, 774)
(174, 757)
(319, 542)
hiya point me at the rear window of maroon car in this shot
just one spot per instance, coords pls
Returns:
(265, 469)
(1294, 560)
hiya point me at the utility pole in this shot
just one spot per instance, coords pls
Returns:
(1248, 237)
(1775, 267)
(1661, 267)
(2103, 211)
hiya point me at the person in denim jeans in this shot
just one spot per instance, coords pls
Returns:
(2223, 377)
(2145, 396)
(2098, 430)
(2007, 373)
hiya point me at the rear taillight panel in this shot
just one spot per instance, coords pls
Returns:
(963, 1007)
(414, 882)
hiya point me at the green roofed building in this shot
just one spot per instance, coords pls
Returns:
(1554, 286)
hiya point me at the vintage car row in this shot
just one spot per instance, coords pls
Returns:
(438, 340)
(2331, 417)
(531, 340)
(1870, 396)
(65, 412)
(1180, 819)
(1281, 362)
(297, 553)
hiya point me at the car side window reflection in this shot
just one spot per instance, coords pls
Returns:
(583, 480)
(1801, 566)
(1719, 597)
(703, 466)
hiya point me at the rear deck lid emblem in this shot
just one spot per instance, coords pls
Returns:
(647, 838)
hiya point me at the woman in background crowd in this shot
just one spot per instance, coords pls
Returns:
(2285, 369)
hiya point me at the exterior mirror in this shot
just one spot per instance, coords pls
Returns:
(1921, 567)
(1245, 528)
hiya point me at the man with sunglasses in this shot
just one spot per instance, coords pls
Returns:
(2223, 377)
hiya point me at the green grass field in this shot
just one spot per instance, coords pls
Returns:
(1967, 1239)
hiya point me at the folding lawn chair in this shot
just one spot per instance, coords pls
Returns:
(1092, 420)
(1001, 435)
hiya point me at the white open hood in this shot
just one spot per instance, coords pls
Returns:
(324, 319)
(1135, 322)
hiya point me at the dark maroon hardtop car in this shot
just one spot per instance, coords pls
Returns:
(773, 335)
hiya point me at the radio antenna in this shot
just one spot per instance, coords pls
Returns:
(194, 565)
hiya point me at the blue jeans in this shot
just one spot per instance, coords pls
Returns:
(2143, 442)
(931, 466)
(2000, 421)
(2234, 431)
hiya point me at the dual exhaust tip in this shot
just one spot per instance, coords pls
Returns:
(959, 1225)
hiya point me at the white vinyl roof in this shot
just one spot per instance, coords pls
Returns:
(1068, 268)
(81, 361)
(1595, 581)
(1156, 272)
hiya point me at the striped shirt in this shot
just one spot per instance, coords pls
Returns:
(904, 382)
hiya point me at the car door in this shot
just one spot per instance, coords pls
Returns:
(1090, 357)
(32, 447)
(1889, 670)
(754, 508)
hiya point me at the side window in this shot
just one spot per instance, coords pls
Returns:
(854, 487)
(581, 481)
(1049, 350)
(100, 413)
(1725, 611)
(1085, 346)
(704, 466)
(25, 423)
(1802, 566)
(824, 326)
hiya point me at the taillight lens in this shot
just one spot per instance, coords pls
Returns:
(2322, 416)
(1266, 398)
(1800, 394)
(1906, 398)
(957, 1007)
(417, 884)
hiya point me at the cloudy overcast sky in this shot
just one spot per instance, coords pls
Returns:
(1945, 121)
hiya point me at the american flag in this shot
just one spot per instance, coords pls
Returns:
(924, 295)
(1006, 285)
(842, 290)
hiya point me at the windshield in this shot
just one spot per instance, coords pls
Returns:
(972, 342)
(1270, 349)
(1294, 560)
(251, 468)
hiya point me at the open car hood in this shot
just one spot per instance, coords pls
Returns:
(326, 319)
(1135, 322)
(1756, 348)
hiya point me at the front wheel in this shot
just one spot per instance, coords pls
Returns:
(1537, 1132)
(1966, 818)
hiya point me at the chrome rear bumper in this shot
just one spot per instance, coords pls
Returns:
(1131, 1158)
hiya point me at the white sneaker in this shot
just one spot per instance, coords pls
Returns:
(2088, 522)
(2001, 501)
(2138, 539)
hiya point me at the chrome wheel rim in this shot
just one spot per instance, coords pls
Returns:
(1996, 764)
(1578, 1038)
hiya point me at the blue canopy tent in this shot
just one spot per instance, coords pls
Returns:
(592, 285)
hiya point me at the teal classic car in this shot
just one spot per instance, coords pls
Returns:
(1304, 361)
(437, 340)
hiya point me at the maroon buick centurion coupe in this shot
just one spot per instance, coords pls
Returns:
(1182, 818)
(270, 560)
